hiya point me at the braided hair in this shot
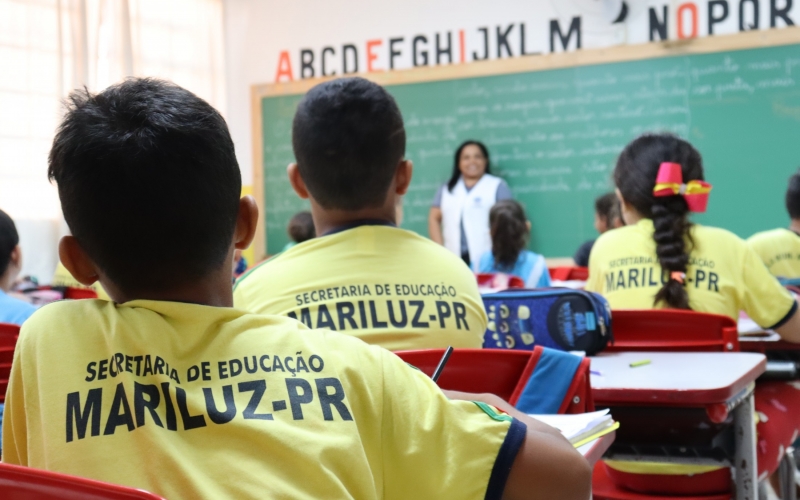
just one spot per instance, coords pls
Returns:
(635, 177)
(509, 229)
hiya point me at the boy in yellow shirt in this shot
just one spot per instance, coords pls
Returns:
(780, 248)
(363, 275)
(169, 389)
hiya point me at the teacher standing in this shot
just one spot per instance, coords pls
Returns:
(459, 216)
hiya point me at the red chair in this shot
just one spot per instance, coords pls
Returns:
(71, 292)
(79, 293)
(569, 273)
(24, 483)
(8, 341)
(498, 371)
(8, 330)
(499, 281)
(673, 330)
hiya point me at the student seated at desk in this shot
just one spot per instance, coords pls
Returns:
(662, 259)
(362, 275)
(510, 230)
(780, 248)
(607, 216)
(170, 389)
(12, 310)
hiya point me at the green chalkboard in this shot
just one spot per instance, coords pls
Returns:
(554, 136)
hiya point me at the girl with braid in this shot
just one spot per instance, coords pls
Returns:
(661, 259)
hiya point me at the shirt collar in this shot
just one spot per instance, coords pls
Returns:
(358, 223)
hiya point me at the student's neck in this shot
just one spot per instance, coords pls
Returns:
(632, 217)
(327, 220)
(795, 226)
(214, 291)
(6, 282)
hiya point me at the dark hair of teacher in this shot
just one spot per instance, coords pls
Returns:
(457, 162)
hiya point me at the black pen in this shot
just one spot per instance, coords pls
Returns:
(439, 369)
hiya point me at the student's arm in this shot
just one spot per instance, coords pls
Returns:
(435, 225)
(547, 466)
(790, 330)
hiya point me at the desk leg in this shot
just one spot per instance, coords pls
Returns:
(745, 464)
(787, 468)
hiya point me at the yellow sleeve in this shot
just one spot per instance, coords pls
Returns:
(595, 281)
(15, 426)
(437, 448)
(764, 299)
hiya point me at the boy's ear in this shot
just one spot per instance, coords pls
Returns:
(16, 257)
(246, 223)
(402, 176)
(77, 262)
(528, 225)
(296, 180)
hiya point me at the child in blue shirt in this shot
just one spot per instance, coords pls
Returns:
(12, 310)
(510, 230)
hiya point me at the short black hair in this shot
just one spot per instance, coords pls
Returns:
(793, 196)
(9, 239)
(604, 206)
(348, 139)
(301, 227)
(148, 181)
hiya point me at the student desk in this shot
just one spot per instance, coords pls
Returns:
(683, 407)
(783, 358)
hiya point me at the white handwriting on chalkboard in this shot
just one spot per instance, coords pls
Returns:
(538, 172)
(764, 65)
(545, 186)
(726, 66)
(790, 64)
(736, 86)
(786, 81)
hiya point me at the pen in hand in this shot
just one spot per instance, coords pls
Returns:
(439, 369)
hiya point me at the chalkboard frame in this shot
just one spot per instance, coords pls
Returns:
(584, 57)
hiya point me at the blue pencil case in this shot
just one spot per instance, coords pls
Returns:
(559, 318)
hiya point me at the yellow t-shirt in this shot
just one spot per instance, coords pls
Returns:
(724, 275)
(780, 251)
(386, 286)
(62, 277)
(200, 402)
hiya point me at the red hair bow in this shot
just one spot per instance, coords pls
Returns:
(670, 183)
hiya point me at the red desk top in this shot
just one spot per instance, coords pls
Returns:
(673, 378)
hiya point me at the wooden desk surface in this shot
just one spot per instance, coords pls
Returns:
(673, 378)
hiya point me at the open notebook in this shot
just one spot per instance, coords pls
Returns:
(583, 427)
